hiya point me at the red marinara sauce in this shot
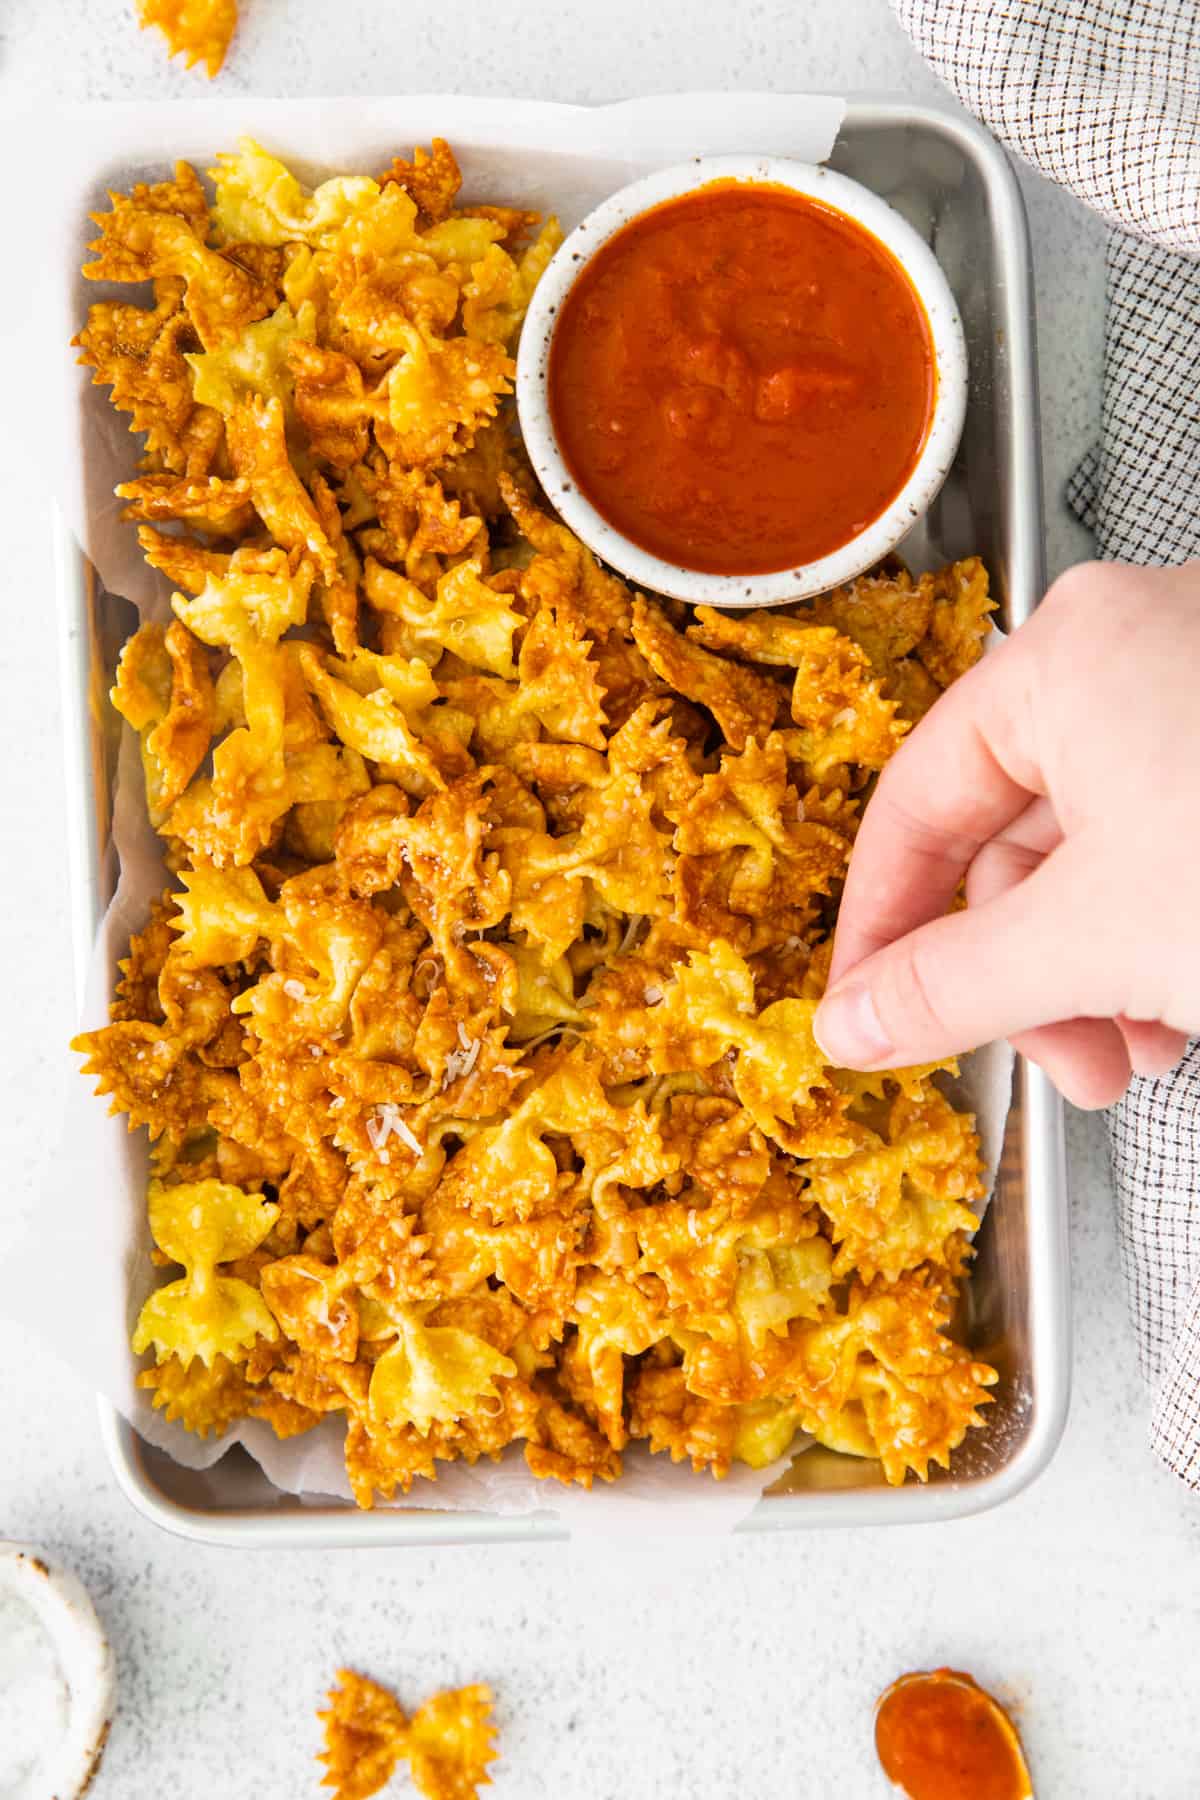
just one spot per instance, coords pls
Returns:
(741, 379)
(940, 1736)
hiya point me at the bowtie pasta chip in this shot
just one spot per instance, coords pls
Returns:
(474, 1033)
(199, 30)
(366, 1734)
(140, 353)
(205, 1315)
(259, 201)
(259, 362)
(432, 179)
(448, 1742)
(451, 1743)
(433, 1372)
(140, 241)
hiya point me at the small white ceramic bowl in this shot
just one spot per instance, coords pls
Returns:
(80, 1665)
(885, 531)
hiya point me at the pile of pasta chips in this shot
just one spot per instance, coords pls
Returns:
(472, 1030)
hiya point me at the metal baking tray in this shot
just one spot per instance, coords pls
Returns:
(952, 182)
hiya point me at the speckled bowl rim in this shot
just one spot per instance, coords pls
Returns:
(63, 1608)
(884, 532)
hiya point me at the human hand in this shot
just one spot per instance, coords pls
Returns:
(1061, 776)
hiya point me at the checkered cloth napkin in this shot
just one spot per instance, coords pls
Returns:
(1104, 97)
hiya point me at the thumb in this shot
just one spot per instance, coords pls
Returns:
(1047, 949)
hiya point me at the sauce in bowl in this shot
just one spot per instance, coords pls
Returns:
(741, 379)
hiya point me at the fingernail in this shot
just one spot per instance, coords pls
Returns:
(849, 1031)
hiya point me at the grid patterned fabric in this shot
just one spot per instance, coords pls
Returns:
(1139, 489)
(1101, 95)
(1104, 97)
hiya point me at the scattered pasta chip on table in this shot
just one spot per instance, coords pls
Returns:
(472, 1030)
(199, 30)
(448, 1743)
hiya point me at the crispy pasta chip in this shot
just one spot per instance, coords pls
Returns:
(675, 1421)
(205, 1399)
(467, 616)
(185, 561)
(329, 399)
(366, 1734)
(887, 615)
(744, 704)
(433, 1372)
(960, 622)
(258, 363)
(220, 507)
(164, 692)
(841, 710)
(451, 1742)
(142, 242)
(883, 1380)
(751, 858)
(205, 1315)
(259, 201)
(197, 30)
(497, 296)
(903, 1201)
(141, 354)
(259, 453)
(438, 395)
(432, 178)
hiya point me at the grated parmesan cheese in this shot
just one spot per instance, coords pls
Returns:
(461, 1062)
(294, 989)
(637, 920)
(408, 1136)
(847, 716)
(653, 994)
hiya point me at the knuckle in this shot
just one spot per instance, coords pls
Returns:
(1072, 586)
(927, 839)
(998, 866)
(1088, 592)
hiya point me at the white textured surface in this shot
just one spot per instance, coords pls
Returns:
(749, 1669)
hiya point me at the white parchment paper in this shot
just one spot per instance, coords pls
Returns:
(90, 1247)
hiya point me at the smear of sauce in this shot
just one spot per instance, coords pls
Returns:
(940, 1736)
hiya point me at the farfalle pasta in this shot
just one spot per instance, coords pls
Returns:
(472, 1030)
(448, 1742)
(197, 30)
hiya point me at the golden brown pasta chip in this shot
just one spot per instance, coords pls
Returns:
(199, 30)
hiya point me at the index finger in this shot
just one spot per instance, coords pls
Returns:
(966, 771)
